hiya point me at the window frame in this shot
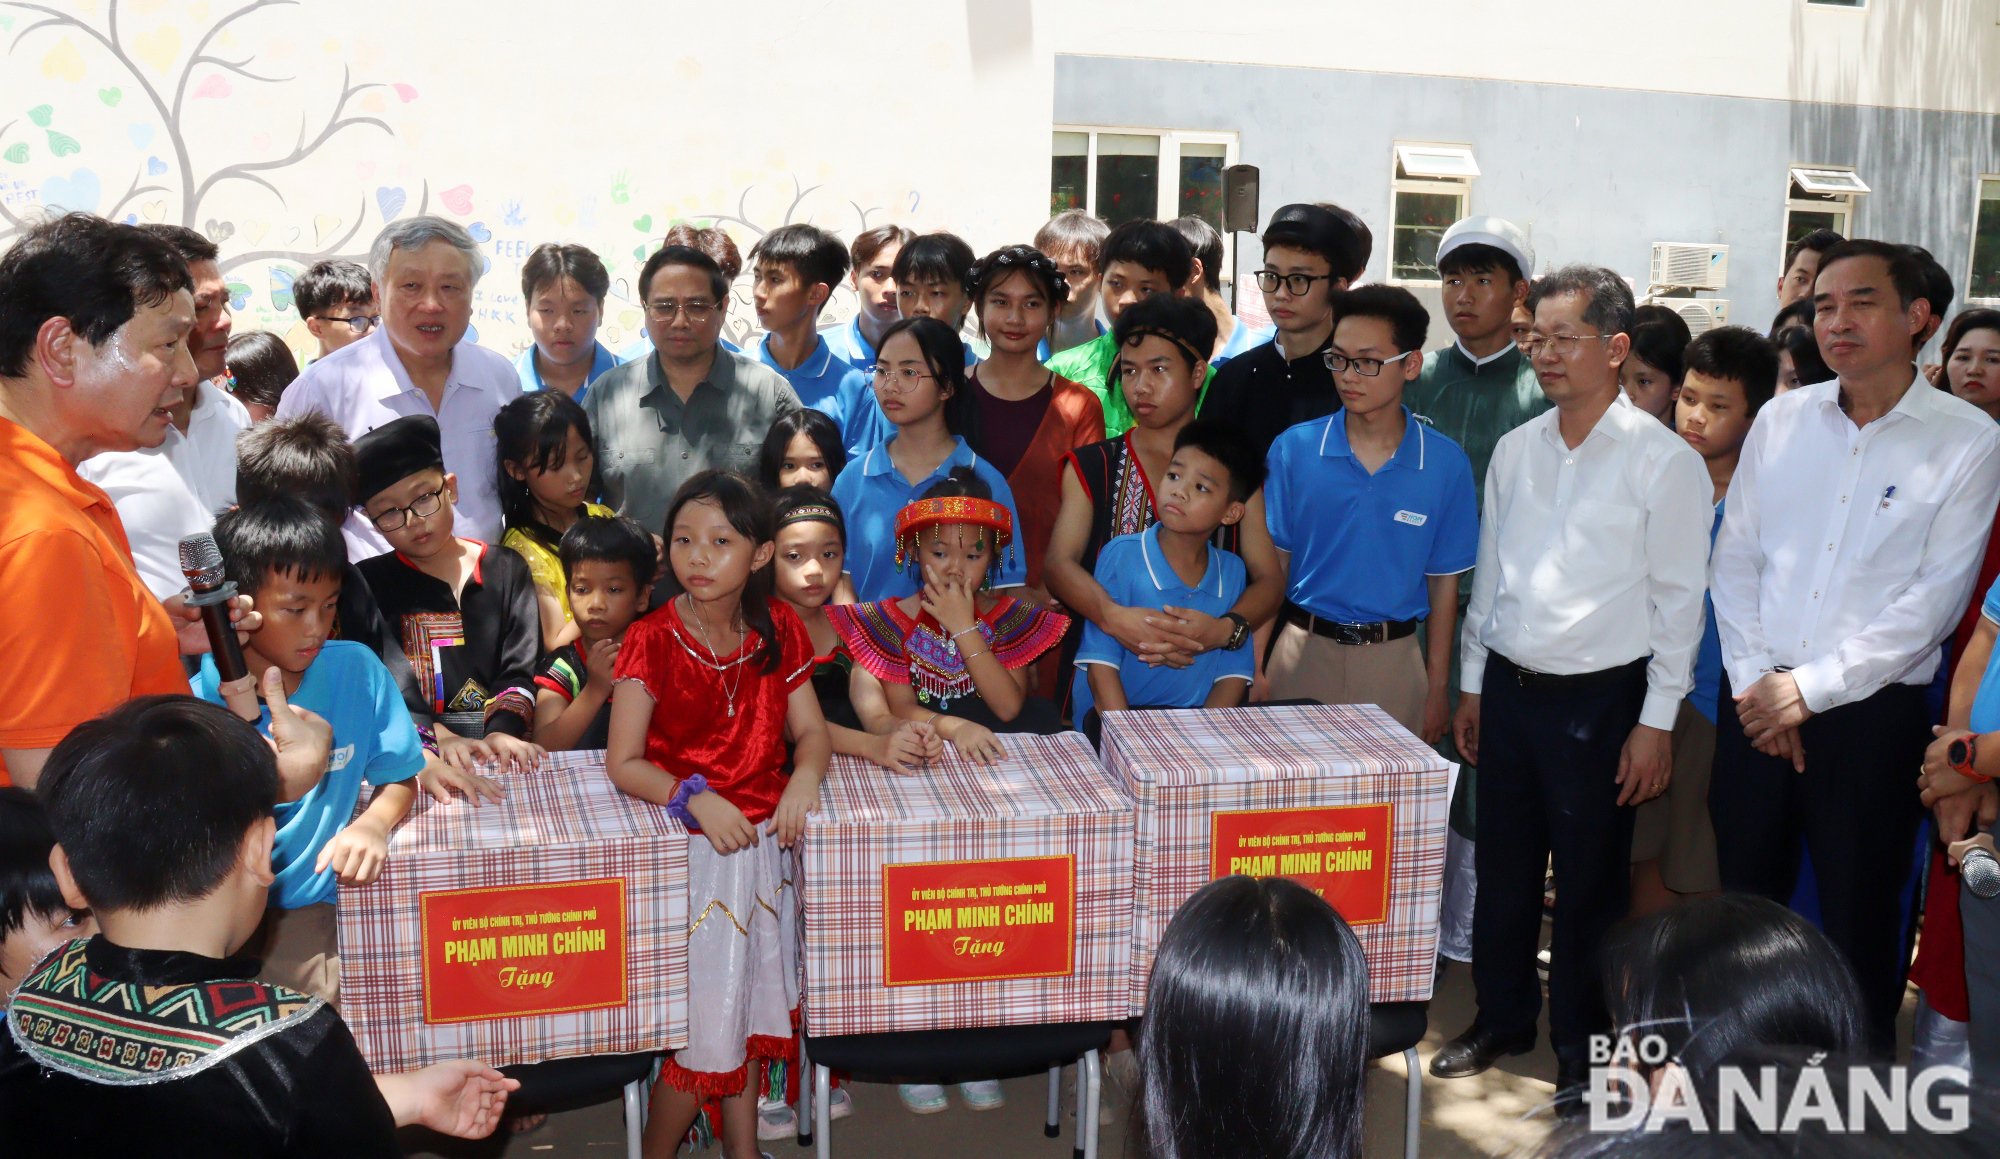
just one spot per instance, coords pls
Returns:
(1978, 189)
(1461, 187)
(1845, 206)
(1167, 206)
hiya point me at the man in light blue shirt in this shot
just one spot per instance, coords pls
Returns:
(794, 270)
(1376, 518)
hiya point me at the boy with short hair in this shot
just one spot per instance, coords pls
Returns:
(464, 612)
(1139, 258)
(288, 558)
(1375, 518)
(1233, 336)
(930, 273)
(872, 272)
(1474, 391)
(1730, 374)
(608, 563)
(1312, 252)
(337, 300)
(1174, 565)
(151, 1037)
(794, 270)
(1072, 240)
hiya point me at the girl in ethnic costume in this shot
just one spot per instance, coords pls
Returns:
(812, 543)
(709, 689)
(955, 655)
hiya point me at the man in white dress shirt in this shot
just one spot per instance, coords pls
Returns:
(417, 362)
(1578, 647)
(1856, 524)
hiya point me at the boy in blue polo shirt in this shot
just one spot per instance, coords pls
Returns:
(794, 269)
(1375, 518)
(1172, 565)
(289, 556)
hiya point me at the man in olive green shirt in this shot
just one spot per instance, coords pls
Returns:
(691, 404)
(1475, 390)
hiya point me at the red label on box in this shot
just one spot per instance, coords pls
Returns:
(978, 921)
(523, 949)
(1340, 852)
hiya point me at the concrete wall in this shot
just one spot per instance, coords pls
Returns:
(1594, 174)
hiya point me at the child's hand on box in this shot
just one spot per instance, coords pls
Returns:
(801, 797)
(440, 780)
(356, 853)
(514, 754)
(725, 826)
(976, 742)
(913, 743)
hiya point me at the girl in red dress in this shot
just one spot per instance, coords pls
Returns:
(955, 656)
(709, 688)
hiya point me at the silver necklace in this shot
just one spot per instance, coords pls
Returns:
(715, 658)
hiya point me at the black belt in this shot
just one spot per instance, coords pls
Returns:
(1379, 632)
(1574, 681)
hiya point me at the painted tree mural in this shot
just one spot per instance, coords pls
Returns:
(186, 178)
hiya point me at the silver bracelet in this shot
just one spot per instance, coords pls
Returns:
(973, 628)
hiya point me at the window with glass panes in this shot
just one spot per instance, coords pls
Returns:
(1126, 174)
(1984, 281)
(1432, 188)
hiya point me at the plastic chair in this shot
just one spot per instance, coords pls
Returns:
(1397, 1028)
(566, 1083)
(950, 1056)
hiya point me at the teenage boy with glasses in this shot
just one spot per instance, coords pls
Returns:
(337, 301)
(692, 404)
(1374, 518)
(1311, 254)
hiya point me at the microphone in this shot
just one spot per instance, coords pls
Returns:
(1980, 871)
(201, 562)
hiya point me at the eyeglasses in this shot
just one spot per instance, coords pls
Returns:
(360, 323)
(1563, 345)
(1298, 284)
(899, 380)
(1365, 367)
(697, 311)
(394, 518)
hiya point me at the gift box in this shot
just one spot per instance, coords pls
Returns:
(966, 896)
(551, 924)
(1339, 797)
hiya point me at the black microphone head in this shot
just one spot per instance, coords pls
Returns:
(201, 561)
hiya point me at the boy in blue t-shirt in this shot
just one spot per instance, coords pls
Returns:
(1173, 566)
(289, 557)
(1375, 518)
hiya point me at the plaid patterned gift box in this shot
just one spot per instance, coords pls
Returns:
(966, 896)
(1340, 797)
(549, 925)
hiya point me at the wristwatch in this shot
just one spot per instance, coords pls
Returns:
(1240, 634)
(677, 805)
(1961, 755)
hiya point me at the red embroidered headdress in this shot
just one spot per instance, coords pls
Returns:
(913, 519)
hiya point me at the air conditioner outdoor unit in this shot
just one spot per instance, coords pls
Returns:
(1700, 314)
(1690, 265)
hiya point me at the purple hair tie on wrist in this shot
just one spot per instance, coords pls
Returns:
(677, 805)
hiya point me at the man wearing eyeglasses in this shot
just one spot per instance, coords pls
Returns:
(1374, 517)
(1578, 647)
(1311, 253)
(417, 362)
(692, 405)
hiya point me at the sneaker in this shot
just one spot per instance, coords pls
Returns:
(983, 1095)
(1542, 961)
(841, 1104)
(776, 1120)
(918, 1098)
